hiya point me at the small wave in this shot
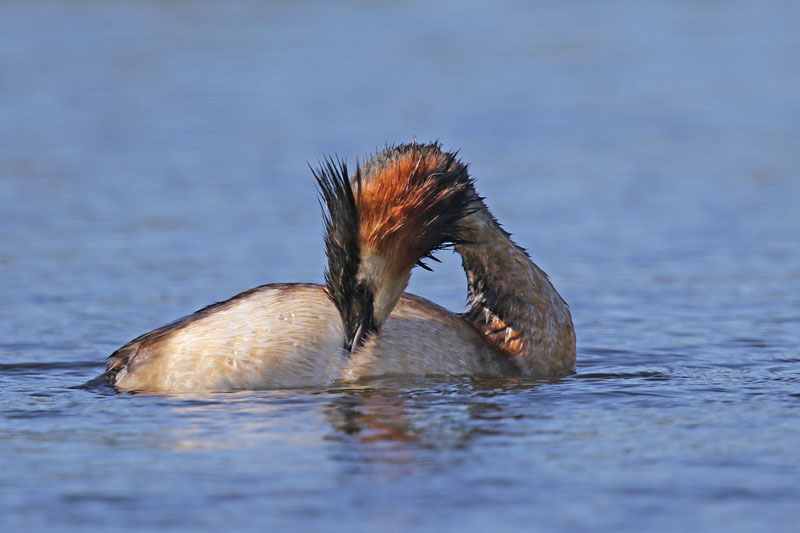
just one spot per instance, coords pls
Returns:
(647, 374)
(50, 365)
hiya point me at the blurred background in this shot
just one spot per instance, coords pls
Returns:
(155, 153)
(154, 159)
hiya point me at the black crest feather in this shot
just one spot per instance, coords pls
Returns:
(342, 245)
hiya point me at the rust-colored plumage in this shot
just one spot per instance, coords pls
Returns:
(410, 199)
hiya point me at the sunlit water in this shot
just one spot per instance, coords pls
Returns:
(153, 160)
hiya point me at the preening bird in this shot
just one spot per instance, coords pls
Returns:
(394, 212)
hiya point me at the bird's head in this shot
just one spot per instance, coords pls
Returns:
(395, 211)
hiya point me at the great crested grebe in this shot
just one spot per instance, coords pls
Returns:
(405, 203)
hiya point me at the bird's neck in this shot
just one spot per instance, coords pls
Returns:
(512, 302)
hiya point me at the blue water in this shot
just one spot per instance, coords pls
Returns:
(153, 160)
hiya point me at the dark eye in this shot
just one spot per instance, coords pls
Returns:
(361, 291)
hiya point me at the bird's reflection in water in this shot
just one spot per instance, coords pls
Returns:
(427, 413)
(242, 420)
(370, 416)
(357, 422)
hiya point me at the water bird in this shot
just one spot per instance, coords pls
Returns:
(396, 210)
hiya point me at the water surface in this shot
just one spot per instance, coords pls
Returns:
(153, 160)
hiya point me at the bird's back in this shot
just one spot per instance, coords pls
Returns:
(282, 335)
(289, 335)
